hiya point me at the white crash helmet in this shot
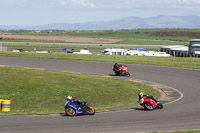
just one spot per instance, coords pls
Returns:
(69, 97)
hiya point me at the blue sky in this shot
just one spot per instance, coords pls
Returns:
(39, 12)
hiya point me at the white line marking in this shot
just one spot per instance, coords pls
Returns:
(170, 88)
(163, 104)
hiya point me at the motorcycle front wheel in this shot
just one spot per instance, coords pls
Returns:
(128, 74)
(90, 110)
(159, 106)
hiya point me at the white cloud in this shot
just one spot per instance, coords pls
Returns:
(183, 4)
(107, 4)
(149, 3)
(181, 7)
(75, 3)
(187, 1)
(157, 4)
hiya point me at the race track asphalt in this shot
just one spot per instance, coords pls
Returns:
(180, 115)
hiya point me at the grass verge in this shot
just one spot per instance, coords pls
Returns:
(45, 92)
(143, 60)
(194, 131)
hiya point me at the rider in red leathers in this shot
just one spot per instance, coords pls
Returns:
(141, 97)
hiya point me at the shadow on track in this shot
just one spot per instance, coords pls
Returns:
(138, 108)
(112, 75)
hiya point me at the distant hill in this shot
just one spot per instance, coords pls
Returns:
(189, 22)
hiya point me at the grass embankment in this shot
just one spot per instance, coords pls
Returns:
(143, 60)
(45, 92)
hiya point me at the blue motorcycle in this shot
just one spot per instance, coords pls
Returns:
(78, 108)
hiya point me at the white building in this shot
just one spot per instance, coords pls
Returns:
(175, 50)
(194, 48)
(136, 52)
(115, 51)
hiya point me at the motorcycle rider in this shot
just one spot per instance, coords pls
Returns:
(73, 100)
(142, 96)
(116, 68)
(69, 98)
(116, 65)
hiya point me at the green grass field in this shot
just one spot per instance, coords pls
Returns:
(151, 36)
(45, 92)
(152, 42)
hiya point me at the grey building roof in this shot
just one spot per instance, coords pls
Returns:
(194, 40)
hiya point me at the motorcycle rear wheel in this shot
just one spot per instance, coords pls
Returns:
(90, 110)
(117, 74)
(70, 111)
(148, 106)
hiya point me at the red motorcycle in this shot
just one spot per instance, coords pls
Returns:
(149, 103)
(120, 70)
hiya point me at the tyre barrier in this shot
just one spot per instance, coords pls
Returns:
(5, 105)
(0, 103)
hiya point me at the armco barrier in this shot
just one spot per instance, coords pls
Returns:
(5, 105)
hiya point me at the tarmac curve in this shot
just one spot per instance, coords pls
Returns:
(183, 114)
